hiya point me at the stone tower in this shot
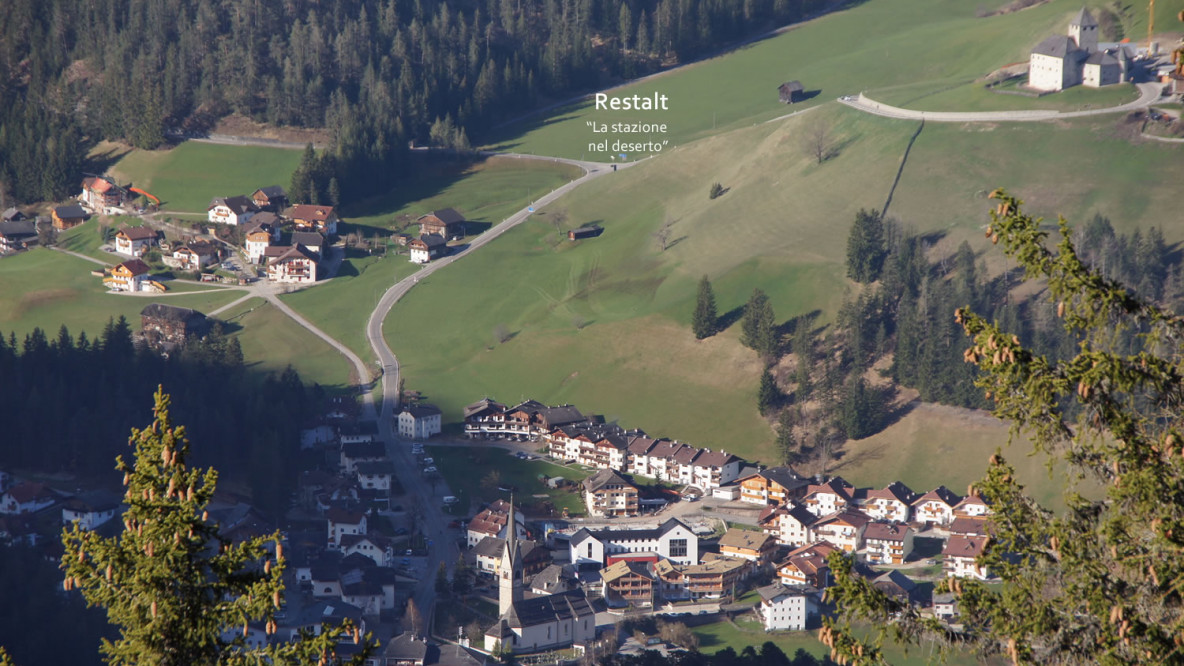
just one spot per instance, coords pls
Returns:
(509, 582)
(1084, 30)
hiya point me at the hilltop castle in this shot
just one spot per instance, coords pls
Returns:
(1064, 61)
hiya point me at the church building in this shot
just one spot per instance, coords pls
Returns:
(1075, 58)
(549, 622)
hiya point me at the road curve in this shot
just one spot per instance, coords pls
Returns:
(1148, 94)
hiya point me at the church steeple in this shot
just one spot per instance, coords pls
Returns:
(510, 567)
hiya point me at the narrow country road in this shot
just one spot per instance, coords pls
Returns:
(1148, 94)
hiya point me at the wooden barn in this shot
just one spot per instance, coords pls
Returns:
(791, 92)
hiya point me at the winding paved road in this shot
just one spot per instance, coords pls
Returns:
(1148, 94)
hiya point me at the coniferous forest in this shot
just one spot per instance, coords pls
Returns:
(379, 73)
(68, 405)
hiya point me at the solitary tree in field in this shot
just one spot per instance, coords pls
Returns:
(1102, 582)
(818, 139)
(703, 321)
(179, 591)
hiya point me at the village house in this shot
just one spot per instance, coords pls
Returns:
(446, 223)
(271, 198)
(526, 421)
(357, 431)
(970, 526)
(592, 444)
(771, 486)
(17, 235)
(893, 503)
(194, 256)
(888, 543)
(294, 265)
(134, 241)
(427, 247)
(626, 583)
(312, 241)
(826, 498)
(492, 521)
(405, 650)
(960, 554)
(792, 608)
(376, 476)
(807, 566)
(341, 523)
(756, 547)
(607, 493)
(355, 453)
(376, 548)
(99, 193)
(896, 585)
(971, 506)
(843, 528)
(91, 510)
(936, 507)
(712, 469)
(790, 524)
(27, 497)
(483, 418)
(945, 606)
(128, 276)
(419, 420)
(713, 578)
(231, 210)
(256, 242)
(68, 216)
(555, 579)
(160, 324)
(489, 556)
(308, 217)
(672, 540)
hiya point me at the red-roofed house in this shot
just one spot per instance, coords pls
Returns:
(807, 566)
(128, 276)
(99, 193)
(295, 265)
(972, 506)
(827, 498)
(27, 498)
(842, 528)
(308, 217)
(960, 554)
(492, 523)
(712, 469)
(888, 543)
(135, 240)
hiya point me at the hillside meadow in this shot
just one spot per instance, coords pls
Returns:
(925, 46)
(604, 322)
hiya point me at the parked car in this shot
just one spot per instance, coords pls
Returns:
(429, 470)
(428, 461)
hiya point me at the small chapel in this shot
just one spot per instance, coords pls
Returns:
(543, 622)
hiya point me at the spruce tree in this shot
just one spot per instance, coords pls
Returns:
(768, 395)
(866, 248)
(179, 591)
(703, 322)
(787, 445)
(758, 330)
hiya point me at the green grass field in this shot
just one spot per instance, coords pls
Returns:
(975, 97)
(47, 289)
(869, 47)
(465, 467)
(86, 239)
(271, 341)
(485, 193)
(186, 177)
(745, 631)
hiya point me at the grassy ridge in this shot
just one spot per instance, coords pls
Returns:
(185, 178)
(271, 341)
(47, 289)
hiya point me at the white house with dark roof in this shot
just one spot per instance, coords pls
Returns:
(887, 543)
(231, 210)
(134, 241)
(28, 497)
(770, 486)
(607, 493)
(828, 497)
(783, 608)
(376, 476)
(672, 540)
(791, 524)
(91, 510)
(960, 553)
(842, 528)
(936, 506)
(342, 523)
(419, 421)
(892, 503)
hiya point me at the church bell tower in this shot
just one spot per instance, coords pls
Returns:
(509, 579)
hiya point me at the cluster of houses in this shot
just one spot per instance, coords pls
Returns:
(435, 230)
(266, 219)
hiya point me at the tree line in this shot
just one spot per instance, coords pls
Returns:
(68, 402)
(376, 73)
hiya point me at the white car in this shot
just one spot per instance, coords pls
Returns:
(428, 461)
(429, 470)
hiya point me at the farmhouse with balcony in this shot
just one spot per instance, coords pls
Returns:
(960, 554)
(312, 241)
(231, 210)
(843, 529)
(162, 324)
(627, 583)
(790, 524)
(893, 503)
(271, 198)
(807, 566)
(774, 485)
(936, 507)
(28, 497)
(128, 276)
(607, 493)
(888, 543)
(99, 193)
(445, 222)
(828, 497)
(427, 247)
(309, 217)
(194, 256)
(17, 234)
(291, 265)
(134, 241)
(756, 547)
